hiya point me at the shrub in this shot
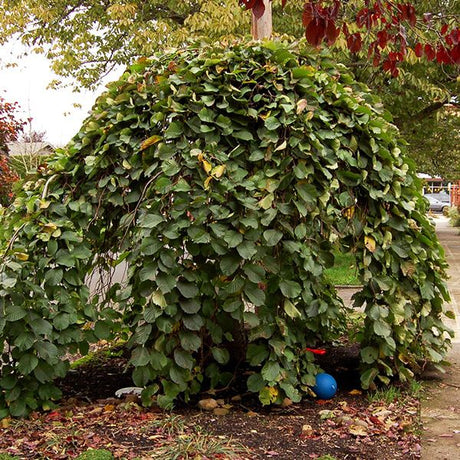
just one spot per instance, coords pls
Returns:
(224, 177)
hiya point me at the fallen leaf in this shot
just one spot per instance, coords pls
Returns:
(355, 392)
(358, 430)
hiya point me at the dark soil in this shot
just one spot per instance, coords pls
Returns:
(345, 427)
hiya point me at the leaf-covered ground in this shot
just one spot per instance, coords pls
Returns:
(349, 426)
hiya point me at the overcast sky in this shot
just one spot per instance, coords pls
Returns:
(52, 110)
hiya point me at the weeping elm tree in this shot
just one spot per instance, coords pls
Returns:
(227, 178)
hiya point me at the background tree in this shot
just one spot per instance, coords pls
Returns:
(10, 127)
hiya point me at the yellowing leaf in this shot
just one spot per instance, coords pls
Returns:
(369, 242)
(291, 310)
(22, 256)
(301, 105)
(207, 182)
(273, 392)
(266, 202)
(349, 212)
(218, 171)
(150, 141)
(159, 299)
(49, 227)
(264, 116)
(282, 146)
(126, 164)
(44, 204)
(207, 166)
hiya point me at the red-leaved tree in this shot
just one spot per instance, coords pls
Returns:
(386, 28)
(10, 128)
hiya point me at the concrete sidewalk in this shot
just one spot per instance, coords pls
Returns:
(440, 410)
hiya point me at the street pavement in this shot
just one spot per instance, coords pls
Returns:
(440, 409)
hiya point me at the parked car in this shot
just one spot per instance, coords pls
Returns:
(441, 196)
(437, 205)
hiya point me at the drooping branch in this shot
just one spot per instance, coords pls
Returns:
(427, 111)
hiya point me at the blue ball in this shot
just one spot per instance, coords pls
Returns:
(325, 387)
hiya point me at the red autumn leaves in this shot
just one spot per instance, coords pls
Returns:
(382, 25)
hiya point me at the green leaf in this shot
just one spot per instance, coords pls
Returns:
(174, 130)
(140, 357)
(206, 115)
(142, 375)
(272, 237)
(152, 313)
(291, 310)
(188, 290)
(25, 340)
(255, 383)
(191, 306)
(382, 329)
(229, 264)
(272, 123)
(368, 377)
(290, 289)
(148, 272)
(243, 135)
(142, 333)
(349, 178)
(15, 313)
(53, 276)
(189, 341)
(221, 355)
(27, 363)
(183, 359)
(255, 273)
(271, 371)
(18, 408)
(232, 238)
(247, 249)
(102, 330)
(47, 351)
(150, 220)
(369, 354)
(8, 382)
(61, 321)
(255, 295)
(193, 322)
(256, 354)
(179, 375)
(41, 326)
(65, 259)
(159, 299)
(82, 252)
(166, 283)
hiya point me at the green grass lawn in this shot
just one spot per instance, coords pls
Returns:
(344, 270)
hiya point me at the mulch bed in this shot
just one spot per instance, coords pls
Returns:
(345, 427)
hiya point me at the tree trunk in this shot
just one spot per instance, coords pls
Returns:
(262, 21)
